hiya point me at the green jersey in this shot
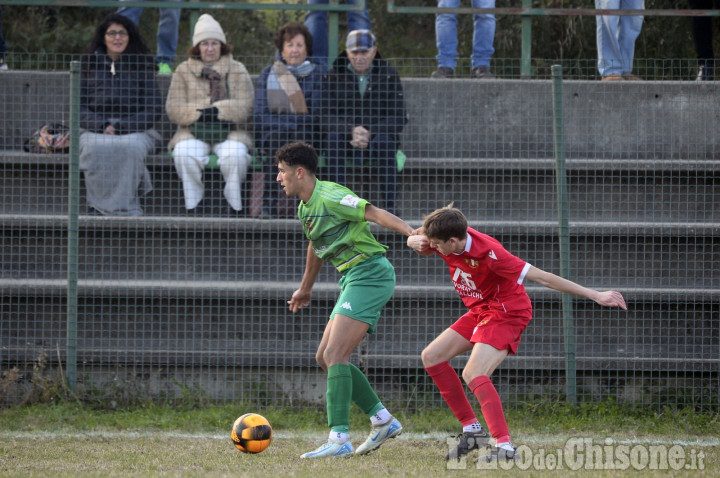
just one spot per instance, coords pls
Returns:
(334, 220)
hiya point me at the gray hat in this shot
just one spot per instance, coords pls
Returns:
(360, 40)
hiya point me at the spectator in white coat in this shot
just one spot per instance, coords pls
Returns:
(210, 99)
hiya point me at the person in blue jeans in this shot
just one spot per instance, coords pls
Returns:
(616, 35)
(447, 42)
(167, 34)
(317, 23)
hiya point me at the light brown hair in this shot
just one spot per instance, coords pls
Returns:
(444, 223)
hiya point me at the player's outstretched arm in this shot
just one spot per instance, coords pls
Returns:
(608, 298)
(301, 297)
(419, 244)
(388, 220)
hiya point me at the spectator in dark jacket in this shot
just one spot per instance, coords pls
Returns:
(364, 110)
(119, 103)
(287, 102)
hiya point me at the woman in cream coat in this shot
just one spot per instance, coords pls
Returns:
(210, 99)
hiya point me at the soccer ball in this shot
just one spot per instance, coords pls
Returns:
(251, 433)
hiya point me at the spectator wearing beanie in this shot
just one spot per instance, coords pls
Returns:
(210, 100)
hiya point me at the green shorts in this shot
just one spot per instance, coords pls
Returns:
(365, 289)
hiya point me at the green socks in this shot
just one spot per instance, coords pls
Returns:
(363, 394)
(339, 393)
(346, 383)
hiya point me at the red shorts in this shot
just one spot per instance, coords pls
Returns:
(494, 327)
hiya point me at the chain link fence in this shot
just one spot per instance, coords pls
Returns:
(175, 302)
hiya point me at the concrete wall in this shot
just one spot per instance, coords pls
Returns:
(479, 119)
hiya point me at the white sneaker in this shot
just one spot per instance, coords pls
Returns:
(331, 450)
(3, 66)
(378, 435)
(504, 452)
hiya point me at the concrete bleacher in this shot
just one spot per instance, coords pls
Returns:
(643, 165)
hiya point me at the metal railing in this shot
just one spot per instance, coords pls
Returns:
(334, 9)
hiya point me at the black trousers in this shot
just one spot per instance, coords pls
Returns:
(377, 161)
(702, 31)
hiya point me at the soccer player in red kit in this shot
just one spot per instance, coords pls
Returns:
(490, 282)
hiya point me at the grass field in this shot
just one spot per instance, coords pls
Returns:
(71, 440)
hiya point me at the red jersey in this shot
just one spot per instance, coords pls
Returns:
(486, 275)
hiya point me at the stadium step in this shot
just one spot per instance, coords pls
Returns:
(484, 188)
(469, 119)
(164, 319)
(221, 249)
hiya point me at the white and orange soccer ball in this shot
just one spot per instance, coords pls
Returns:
(251, 433)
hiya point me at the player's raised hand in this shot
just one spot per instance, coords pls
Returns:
(299, 299)
(611, 298)
(419, 244)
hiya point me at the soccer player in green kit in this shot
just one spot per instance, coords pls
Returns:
(336, 222)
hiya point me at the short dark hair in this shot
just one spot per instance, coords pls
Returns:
(445, 223)
(290, 31)
(298, 154)
(194, 51)
(136, 45)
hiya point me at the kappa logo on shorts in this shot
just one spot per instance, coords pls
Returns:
(347, 306)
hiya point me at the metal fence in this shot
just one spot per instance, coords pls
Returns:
(178, 303)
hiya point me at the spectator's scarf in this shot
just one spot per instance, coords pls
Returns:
(217, 92)
(283, 91)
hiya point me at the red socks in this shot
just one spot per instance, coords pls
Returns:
(492, 409)
(452, 390)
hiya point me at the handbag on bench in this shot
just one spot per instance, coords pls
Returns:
(50, 138)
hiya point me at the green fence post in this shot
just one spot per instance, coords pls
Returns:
(333, 33)
(564, 233)
(194, 15)
(73, 232)
(526, 49)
